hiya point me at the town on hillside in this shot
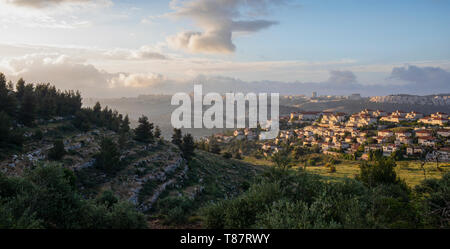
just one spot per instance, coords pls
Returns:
(400, 134)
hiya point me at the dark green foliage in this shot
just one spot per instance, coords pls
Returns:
(58, 151)
(108, 159)
(46, 198)
(27, 106)
(177, 137)
(107, 198)
(38, 135)
(8, 102)
(188, 146)
(381, 171)
(227, 155)
(434, 197)
(157, 132)
(123, 140)
(301, 200)
(175, 209)
(5, 127)
(144, 131)
(125, 125)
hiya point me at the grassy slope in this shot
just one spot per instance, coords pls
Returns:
(410, 171)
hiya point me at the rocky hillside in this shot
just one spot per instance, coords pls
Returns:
(151, 173)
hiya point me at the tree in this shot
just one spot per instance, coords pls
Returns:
(237, 155)
(144, 131)
(157, 132)
(381, 171)
(108, 159)
(123, 139)
(5, 126)
(27, 106)
(125, 125)
(20, 88)
(58, 151)
(177, 137)
(281, 159)
(7, 99)
(188, 147)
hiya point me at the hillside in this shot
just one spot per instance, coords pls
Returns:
(151, 173)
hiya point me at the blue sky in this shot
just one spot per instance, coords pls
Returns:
(132, 44)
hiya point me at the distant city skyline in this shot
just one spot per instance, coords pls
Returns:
(110, 48)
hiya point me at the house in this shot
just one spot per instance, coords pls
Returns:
(427, 141)
(372, 147)
(385, 133)
(443, 132)
(403, 133)
(381, 140)
(423, 133)
(413, 115)
(393, 118)
(403, 140)
(435, 119)
(413, 150)
(444, 154)
(361, 139)
(389, 149)
(332, 118)
(308, 116)
(440, 115)
(379, 113)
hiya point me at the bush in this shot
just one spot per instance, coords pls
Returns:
(175, 209)
(46, 198)
(58, 151)
(227, 155)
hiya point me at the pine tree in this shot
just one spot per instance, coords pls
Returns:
(5, 126)
(27, 106)
(144, 131)
(188, 147)
(125, 125)
(7, 98)
(20, 88)
(177, 137)
(108, 159)
(157, 132)
(123, 139)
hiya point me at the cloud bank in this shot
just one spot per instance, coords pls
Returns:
(433, 78)
(71, 72)
(218, 20)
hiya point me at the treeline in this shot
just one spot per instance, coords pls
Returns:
(377, 198)
(24, 104)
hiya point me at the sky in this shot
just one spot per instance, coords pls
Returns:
(123, 48)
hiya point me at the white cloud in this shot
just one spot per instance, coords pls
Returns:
(218, 19)
(140, 80)
(143, 53)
